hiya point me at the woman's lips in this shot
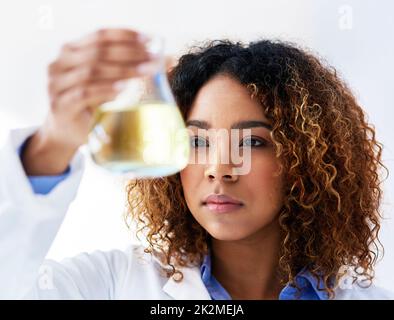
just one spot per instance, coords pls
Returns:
(222, 207)
(221, 203)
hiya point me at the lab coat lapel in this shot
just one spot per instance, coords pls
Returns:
(190, 288)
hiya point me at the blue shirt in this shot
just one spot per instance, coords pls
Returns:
(44, 185)
(307, 283)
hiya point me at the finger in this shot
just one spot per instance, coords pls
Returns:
(77, 99)
(125, 53)
(116, 53)
(95, 73)
(109, 35)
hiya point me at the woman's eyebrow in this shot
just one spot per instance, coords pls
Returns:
(198, 123)
(238, 125)
(250, 124)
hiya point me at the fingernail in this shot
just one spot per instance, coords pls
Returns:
(153, 55)
(119, 85)
(146, 68)
(143, 38)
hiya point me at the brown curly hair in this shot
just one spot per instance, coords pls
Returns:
(331, 160)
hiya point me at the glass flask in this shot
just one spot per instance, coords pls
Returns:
(141, 133)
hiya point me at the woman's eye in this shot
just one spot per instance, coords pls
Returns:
(252, 142)
(197, 142)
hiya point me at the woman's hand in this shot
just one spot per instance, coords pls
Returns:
(82, 77)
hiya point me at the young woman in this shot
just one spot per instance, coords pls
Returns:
(302, 223)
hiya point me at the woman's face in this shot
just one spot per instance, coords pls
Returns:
(255, 196)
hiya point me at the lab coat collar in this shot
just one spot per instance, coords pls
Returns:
(190, 288)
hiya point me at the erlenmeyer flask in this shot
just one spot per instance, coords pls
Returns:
(141, 133)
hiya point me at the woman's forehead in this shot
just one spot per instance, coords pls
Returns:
(224, 100)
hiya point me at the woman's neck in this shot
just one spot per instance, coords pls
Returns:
(247, 268)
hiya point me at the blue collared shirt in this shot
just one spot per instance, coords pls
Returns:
(305, 280)
(45, 184)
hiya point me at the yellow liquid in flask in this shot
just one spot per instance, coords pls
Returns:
(148, 140)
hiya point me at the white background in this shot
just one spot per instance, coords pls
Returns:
(354, 36)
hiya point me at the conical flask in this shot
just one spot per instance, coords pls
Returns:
(141, 133)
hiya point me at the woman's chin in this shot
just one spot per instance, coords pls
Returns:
(227, 234)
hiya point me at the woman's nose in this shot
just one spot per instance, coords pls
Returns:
(220, 172)
(220, 164)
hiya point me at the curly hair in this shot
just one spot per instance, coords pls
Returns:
(329, 156)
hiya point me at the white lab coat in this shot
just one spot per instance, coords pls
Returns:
(29, 224)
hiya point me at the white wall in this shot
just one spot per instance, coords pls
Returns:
(352, 35)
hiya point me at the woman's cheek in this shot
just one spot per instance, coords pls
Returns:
(265, 178)
(190, 177)
(265, 170)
